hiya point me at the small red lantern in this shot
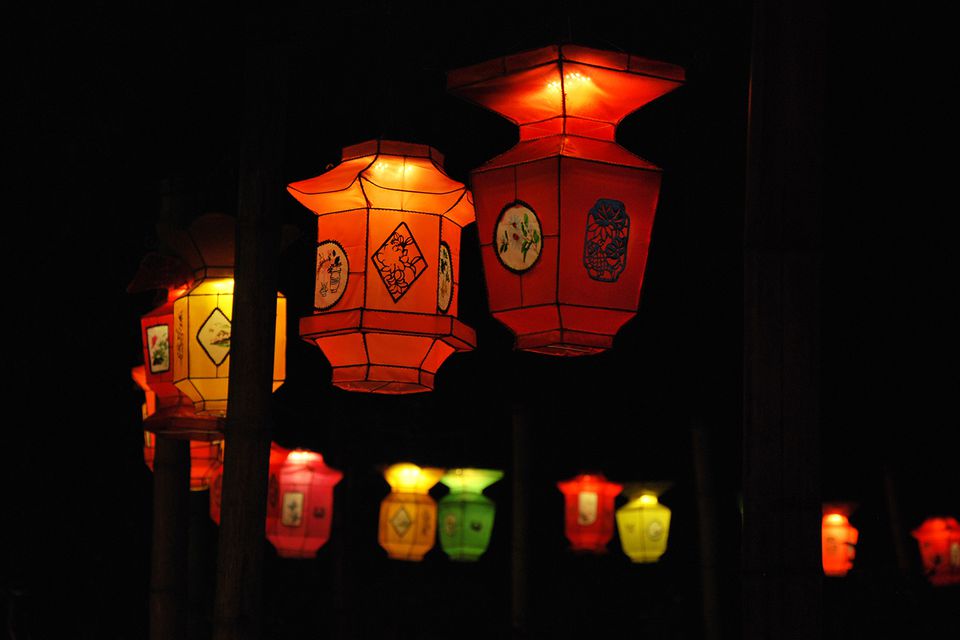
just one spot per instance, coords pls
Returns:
(565, 216)
(388, 261)
(839, 540)
(299, 501)
(939, 540)
(205, 457)
(589, 512)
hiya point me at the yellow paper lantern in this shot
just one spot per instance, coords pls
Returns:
(643, 524)
(201, 344)
(408, 516)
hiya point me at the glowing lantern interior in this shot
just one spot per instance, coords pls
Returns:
(644, 526)
(465, 514)
(386, 300)
(565, 216)
(408, 515)
(588, 511)
(939, 540)
(201, 344)
(839, 540)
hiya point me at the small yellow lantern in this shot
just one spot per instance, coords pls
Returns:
(408, 516)
(643, 523)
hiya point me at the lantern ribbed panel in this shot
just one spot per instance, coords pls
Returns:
(389, 222)
(565, 216)
(588, 511)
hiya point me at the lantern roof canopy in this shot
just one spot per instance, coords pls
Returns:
(470, 480)
(406, 477)
(385, 174)
(568, 81)
(596, 482)
(933, 526)
(636, 490)
(841, 508)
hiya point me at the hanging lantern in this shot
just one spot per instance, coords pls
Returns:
(205, 456)
(201, 344)
(564, 217)
(465, 514)
(643, 524)
(300, 498)
(588, 501)
(939, 540)
(388, 262)
(839, 540)
(174, 413)
(408, 515)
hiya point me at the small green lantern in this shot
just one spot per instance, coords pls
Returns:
(466, 515)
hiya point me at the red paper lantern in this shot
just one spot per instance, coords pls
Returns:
(839, 541)
(589, 512)
(939, 540)
(388, 260)
(299, 501)
(174, 413)
(565, 216)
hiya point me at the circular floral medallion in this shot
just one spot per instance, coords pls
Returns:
(333, 270)
(445, 279)
(517, 237)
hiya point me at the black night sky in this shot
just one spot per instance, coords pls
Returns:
(108, 102)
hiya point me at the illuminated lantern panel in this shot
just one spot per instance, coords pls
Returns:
(205, 457)
(408, 516)
(939, 540)
(300, 504)
(839, 542)
(644, 525)
(588, 511)
(386, 300)
(465, 514)
(565, 216)
(201, 344)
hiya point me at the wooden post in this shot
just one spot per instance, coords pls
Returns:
(707, 520)
(782, 574)
(237, 605)
(520, 474)
(168, 558)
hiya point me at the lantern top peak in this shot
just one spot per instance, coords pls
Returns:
(936, 525)
(406, 477)
(391, 148)
(590, 482)
(592, 88)
(470, 480)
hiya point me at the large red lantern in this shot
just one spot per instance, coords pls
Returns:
(839, 541)
(564, 217)
(588, 511)
(388, 260)
(939, 540)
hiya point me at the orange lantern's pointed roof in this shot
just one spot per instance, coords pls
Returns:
(386, 174)
(566, 81)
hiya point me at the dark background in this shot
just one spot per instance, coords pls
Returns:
(108, 101)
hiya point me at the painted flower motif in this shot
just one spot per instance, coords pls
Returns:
(399, 261)
(605, 243)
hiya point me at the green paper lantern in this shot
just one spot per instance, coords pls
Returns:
(466, 515)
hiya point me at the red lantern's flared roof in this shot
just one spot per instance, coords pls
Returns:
(384, 174)
(935, 526)
(565, 81)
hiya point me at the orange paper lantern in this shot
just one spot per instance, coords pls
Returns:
(388, 260)
(939, 540)
(588, 511)
(565, 216)
(408, 516)
(839, 540)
